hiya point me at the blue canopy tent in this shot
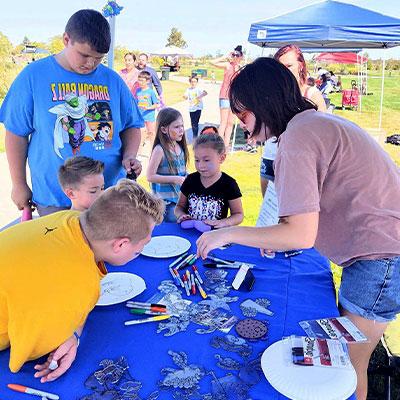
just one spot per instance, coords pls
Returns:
(329, 26)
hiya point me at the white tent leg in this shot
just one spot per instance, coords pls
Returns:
(382, 87)
(234, 136)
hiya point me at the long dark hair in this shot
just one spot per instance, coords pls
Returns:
(164, 119)
(270, 91)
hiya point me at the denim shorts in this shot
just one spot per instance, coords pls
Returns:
(224, 103)
(267, 169)
(371, 289)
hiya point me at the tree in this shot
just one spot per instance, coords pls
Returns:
(175, 38)
(56, 44)
(5, 46)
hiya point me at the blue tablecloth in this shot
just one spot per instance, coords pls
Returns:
(298, 288)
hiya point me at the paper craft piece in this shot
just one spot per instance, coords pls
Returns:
(340, 328)
(305, 383)
(166, 246)
(197, 224)
(117, 287)
(269, 213)
(250, 308)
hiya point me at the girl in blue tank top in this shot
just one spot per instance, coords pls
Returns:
(167, 166)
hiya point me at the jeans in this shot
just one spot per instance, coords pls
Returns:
(194, 119)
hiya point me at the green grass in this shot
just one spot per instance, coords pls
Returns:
(173, 91)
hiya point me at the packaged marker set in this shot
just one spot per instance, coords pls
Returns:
(340, 328)
(306, 351)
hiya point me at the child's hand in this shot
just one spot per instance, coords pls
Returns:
(209, 241)
(216, 223)
(64, 355)
(183, 217)
(178, 180)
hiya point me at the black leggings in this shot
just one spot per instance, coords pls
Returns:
(194, 119)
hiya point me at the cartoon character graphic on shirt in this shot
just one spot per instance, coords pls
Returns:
(204, 207)
(104, 132)
(71, 125)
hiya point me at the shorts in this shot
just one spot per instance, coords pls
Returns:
(371, 289)
(224, 103)
(267, 169)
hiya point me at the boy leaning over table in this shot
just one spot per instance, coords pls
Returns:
(51, 267)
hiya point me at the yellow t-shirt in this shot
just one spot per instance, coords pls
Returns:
(49, 282)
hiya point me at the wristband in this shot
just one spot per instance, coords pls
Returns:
(77, 337)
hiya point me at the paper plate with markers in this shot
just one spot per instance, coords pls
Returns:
(309, 382)
(117, 287)
(166, 246)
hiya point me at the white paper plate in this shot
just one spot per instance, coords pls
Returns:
(305, 382)
(166, 246)
(117, 287)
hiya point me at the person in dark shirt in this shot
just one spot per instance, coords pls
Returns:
(209, 194)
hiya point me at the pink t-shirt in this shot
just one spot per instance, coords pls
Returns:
(329, 165)
(130, 78)
(228, 73)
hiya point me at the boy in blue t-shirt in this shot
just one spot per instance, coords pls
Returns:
(65, 105)
(147, 102)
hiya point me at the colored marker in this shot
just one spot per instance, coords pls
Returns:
(183, 262)
(179, 278)
(193, 284)
(145, 305)
(196, 272)
(171, 271)
(193, 260)
(143, 321)
(148, 312)
(185, 281)
(28, 390)
(153, 309)
(201, 290)
(177, 260)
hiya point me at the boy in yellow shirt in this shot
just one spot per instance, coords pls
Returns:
(81, 179)
(51, 267)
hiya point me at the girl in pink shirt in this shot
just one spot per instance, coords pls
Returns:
(130, 73)
(337, 190)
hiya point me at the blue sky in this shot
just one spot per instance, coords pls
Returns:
(207, 25)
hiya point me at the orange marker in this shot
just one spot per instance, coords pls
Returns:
(28, 390)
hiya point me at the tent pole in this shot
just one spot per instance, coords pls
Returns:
(382, 87)
(110, 57)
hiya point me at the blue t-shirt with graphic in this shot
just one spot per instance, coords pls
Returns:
(64, 114)
(146, 98)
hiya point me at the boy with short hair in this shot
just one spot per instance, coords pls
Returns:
(55, 105)
(147, 102)
(82, 181)
(53, 282)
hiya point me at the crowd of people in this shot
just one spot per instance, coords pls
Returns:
(336, 189)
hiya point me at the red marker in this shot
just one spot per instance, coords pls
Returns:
(193, 284)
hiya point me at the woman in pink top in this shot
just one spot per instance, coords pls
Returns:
(292, 58)
(231, 65)
(130, 73)
(337, 190)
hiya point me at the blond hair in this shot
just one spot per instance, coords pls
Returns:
(76, 168)
(123, 210)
